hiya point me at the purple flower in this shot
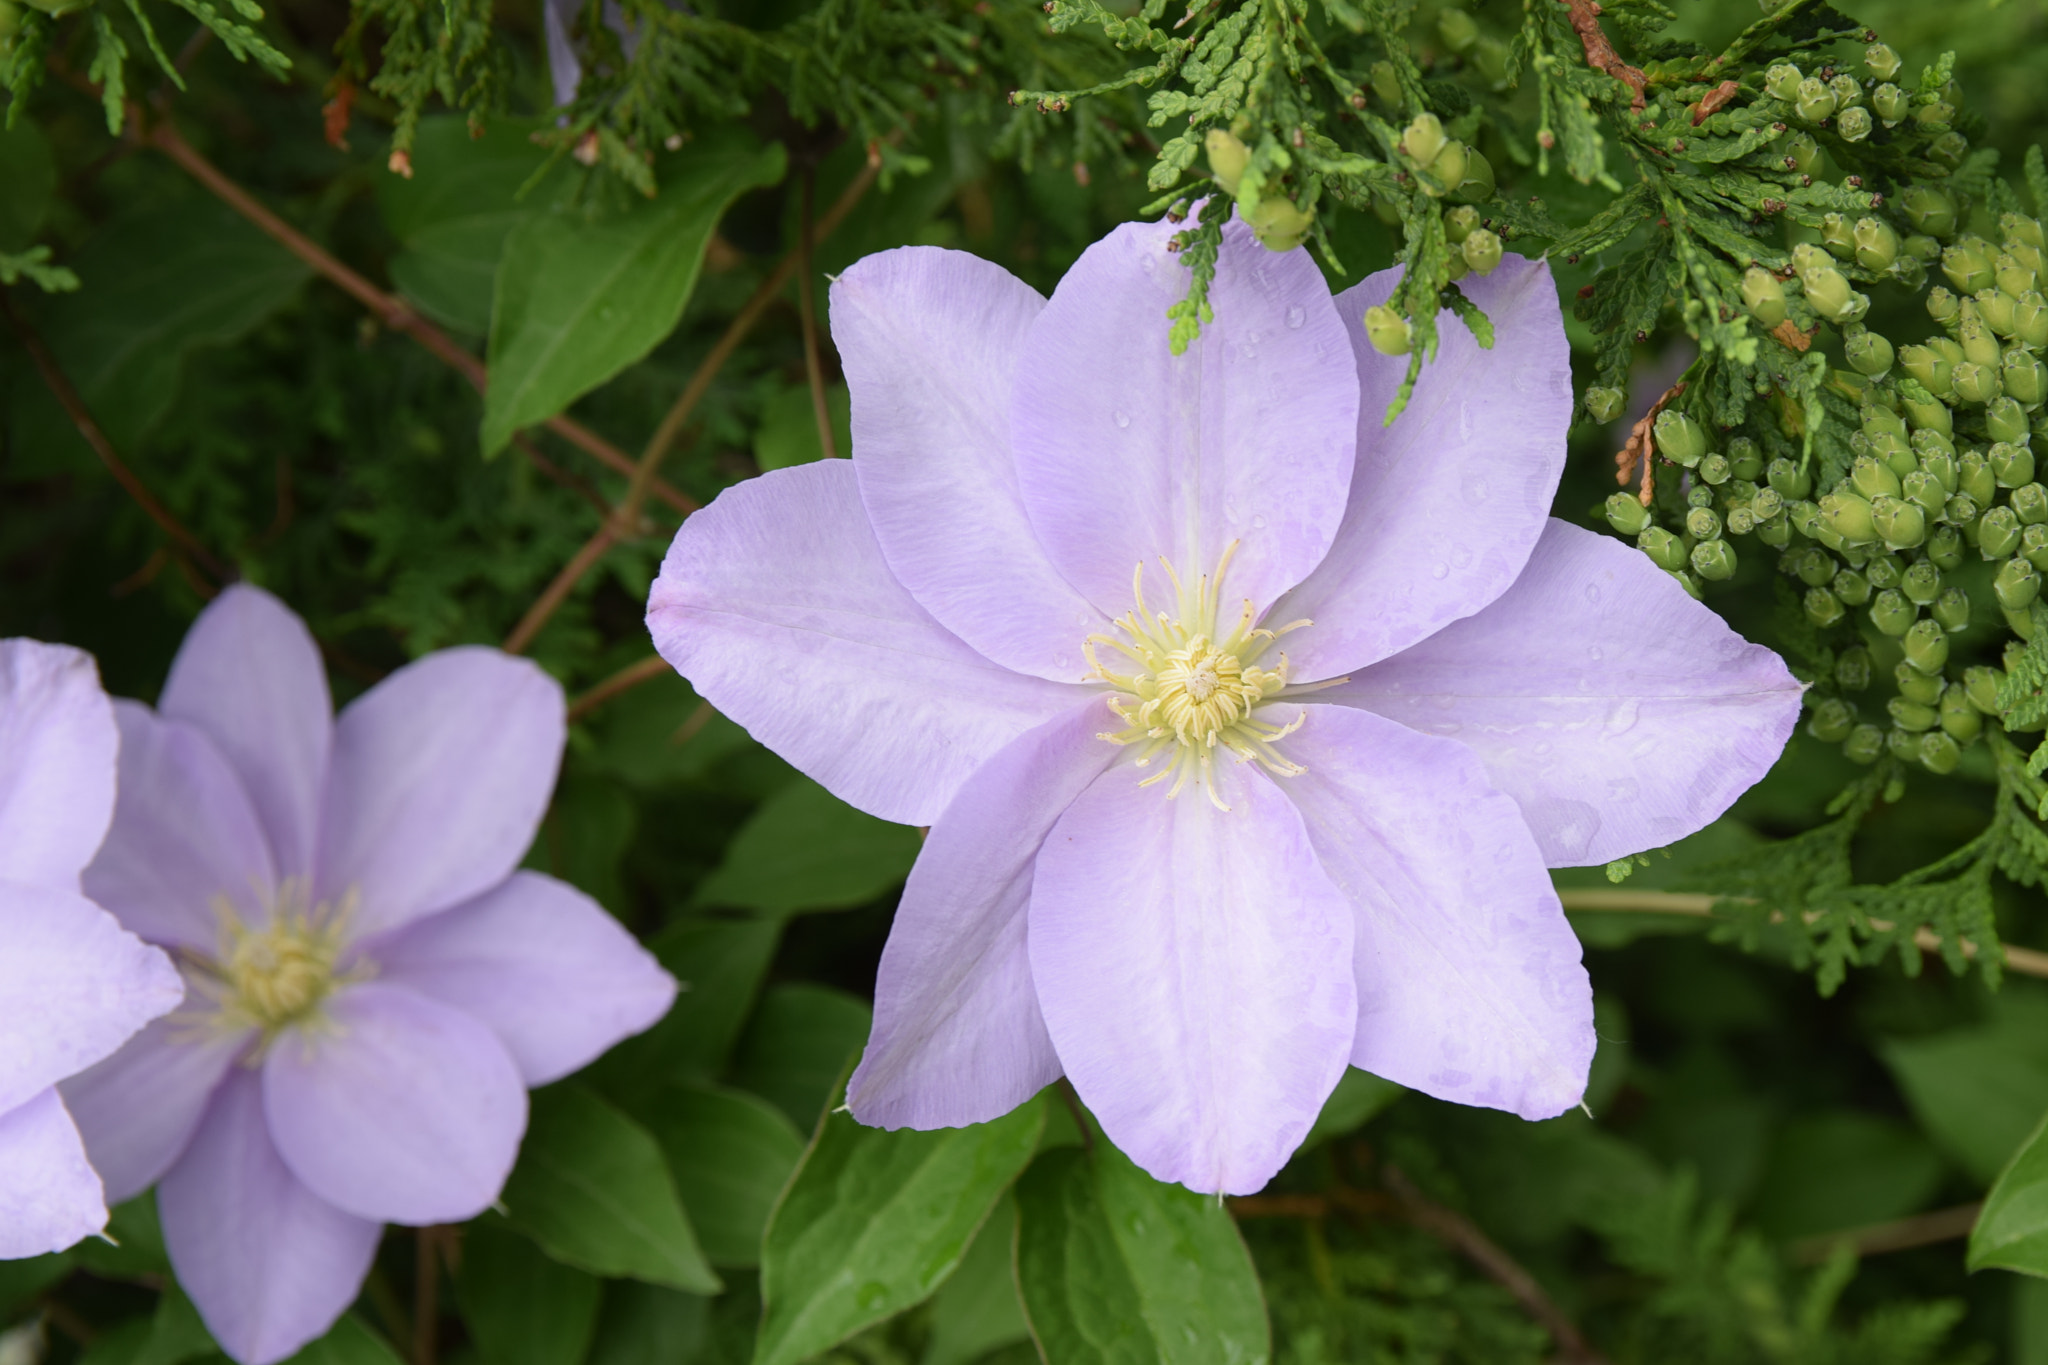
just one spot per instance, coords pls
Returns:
(370, 986)
(1245, 726)
(74, 985)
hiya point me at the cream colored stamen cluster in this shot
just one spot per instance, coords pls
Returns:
(1192, 688)
(278, 974)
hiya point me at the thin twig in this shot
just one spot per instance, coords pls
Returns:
(1900, 1234)
(1641, 447)
(559, 588)
(389, 309)
(1600, 54)
(81, 417)
(807, 306)
(627, 678)
(2025, 961)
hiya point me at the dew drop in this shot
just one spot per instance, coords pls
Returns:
(1622, 718)
(1592, 592)
(1123, 419)
(1440, 571)
(1595, 653)
(1259, 522)
(1475, 491)
(1296, 316)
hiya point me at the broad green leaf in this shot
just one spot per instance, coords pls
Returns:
(22, 1280)
(592, 1189)
(2012, 1232)
(590, 825)
(720, 964)
(654, 736)
(798, 1045)
(348, 1342)
(28, 179)
(731, 1154)
(523, 1307)
(176, 1334)
(645, 1324)
(577, 301)
(1117, 1268)
(805, 849)
(1358, 1097)
(161, 283)
(1979, 1091)
(120, 1345)
(788, 431)
(1840, 1169)
(976, 1310)
(454, 213)
(875, 1221)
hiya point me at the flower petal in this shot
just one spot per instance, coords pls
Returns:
(441, 774)
(554, 976)
(1448, 502)
(930, 340)
(249, 678)
(958, 1037)
(1194, 966)
(1470, 986)
(396, 1107)
(138, 1109)
(49, 1196)
(74, 985)
(57, 746)
(184, 836)
(1126, 452)
(1619, 713)
(269, 1265)
(776, 604)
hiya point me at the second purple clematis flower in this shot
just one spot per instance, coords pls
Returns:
(370, 986)
(1245, 728)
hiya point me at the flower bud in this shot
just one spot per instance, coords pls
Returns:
(1904, 745)
(1764, 296)
(1482, 251)
(1975, 383)
(1714, 560)
(1781, 82)
(1447, 168)
(1942, 306)
(1490, 57)
(1949, 149)
(1891, 613)
(1459, 222)
(2017, 585)
(2019, 227)
(2029, 503)
(1878, 420)
(1811, 566)
(1929, 210)
(1876, 244)
(1848, 516)
(2011, 465)
(1716, 470)
(1926, 646)
(1868, 353)
(1891, 103)
(1980, 686)
(1837, 236)
(1854, 124)
(1604, 405)
(1921, 583)
(1882, 61)
(1974, 476)
(1680, 439)
(1962, 512)
(1813, 102)
(1476, 185)
(1936, 453)
(1775, 531)
(1741, 520)
(2021, 623)
(1848, 91)
(1691, 583)
(1827, 289)
(1951, 610)
(1387, 330)
(1228, 156)
(1765, 504)
(1832, 720)
(1967, 266)
(1914, 685)
(1788, 479)
(1823, 608)
(1279, 225)
(1927, 365)
(2030, 320)
(1925, 491)
(1852, 669)
(2005, 420)
(1702, 524)
(1745, 459)
(1424, 138)
(1998, 533)
(1386, 84)
(1852, 587)
(1865, 745)
(1922, 248)
(1932, 415)
(1945, 548)
(1974, 338)
(1959, 719)
(2022, 375)
(1665, 550)
(2013, 280)
(1873, 478)
(1939, 753)
(1916, 716)
(1457, 29)
(1626, 514)
(2034, 545)
(1803, 152)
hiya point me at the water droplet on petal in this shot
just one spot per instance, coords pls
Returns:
(1595, 653)
(1592, 592)
(1440, 571)
(1123, 419)
(1475, 491)
(1623, 717)
(1259, 522)
(1296, 316)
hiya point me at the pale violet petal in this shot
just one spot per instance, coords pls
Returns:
(138, 1109)
(1619, 713)
(1194, 966)
(776, 604)
(57, 745)
(49, 1197)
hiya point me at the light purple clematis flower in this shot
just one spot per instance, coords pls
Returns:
(371, 987)
(74, 985)
(1245, 728)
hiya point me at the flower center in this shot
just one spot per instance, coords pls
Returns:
(279, 974)
(1193, 688)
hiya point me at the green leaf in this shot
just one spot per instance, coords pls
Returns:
(1116, 1267)
(28, 179)
(875, 1221)
(731, 1154)
(176, 1334)
(788, 433)
(1979, 1091)
(1839, 1169)
(590, 825)
(577, 301)
(348, 1342)
(456, 210)
(1358, 1097)
(121, 1345)
(798, 1045)
(977, 1310)
(134, 1244)
(2012, 1232)
(522, 1307)
(805, 849)
(645, 1324)
(720, 964)
(656, 736)
(591, 1187)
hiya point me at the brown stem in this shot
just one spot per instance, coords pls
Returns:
(426, 1291)
(1073, 1103)
(1901, 1234)
(389, 309)
(807, 306)
(81, 417)
(1600, 54)
(625, 680)
(559, 588)
(1464, 1235)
